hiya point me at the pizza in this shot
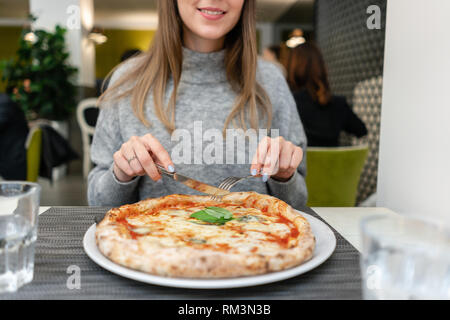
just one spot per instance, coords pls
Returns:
(243, 234)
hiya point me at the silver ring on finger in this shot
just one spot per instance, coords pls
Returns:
(131, 159)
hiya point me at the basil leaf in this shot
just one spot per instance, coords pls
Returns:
(225, 213)
(204, 216)
(213, 215)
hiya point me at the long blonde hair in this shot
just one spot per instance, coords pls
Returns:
(153, 69)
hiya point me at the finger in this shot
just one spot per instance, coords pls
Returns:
(255, 167)
(297, 157)
(260, 156)
(286, 153)
(133, 162)
(122, 164)
(271, 163)
(162, 156)
(146, 160)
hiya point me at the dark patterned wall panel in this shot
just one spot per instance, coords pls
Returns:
(366, 104)
(354, 56)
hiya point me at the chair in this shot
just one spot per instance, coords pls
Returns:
(333, 175)
(33, 145)
(87, 113)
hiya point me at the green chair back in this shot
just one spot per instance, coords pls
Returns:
(34, 154)
(333, 175)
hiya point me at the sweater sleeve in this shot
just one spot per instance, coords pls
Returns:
(290, 127)
(103, 187)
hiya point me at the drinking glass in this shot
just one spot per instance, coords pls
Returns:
(19, 206)
(404, 258)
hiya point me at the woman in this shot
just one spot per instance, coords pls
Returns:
(324, 116)
(202, 73)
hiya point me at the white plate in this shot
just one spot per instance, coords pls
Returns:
(325, 245)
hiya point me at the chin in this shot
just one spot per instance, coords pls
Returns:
(211, 33)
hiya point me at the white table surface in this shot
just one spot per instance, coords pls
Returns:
(344, 220)
(43, 209)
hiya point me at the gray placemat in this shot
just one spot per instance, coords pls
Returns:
(59, 246)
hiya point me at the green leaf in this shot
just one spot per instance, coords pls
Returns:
(203, 215)
(213, 215)
(46, 64)
(224, 212)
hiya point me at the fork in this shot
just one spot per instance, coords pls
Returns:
(229, 183)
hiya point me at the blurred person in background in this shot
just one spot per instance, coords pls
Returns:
(129, 54)
(13, 134)
(323, 114)
(102, 84)
(273, 54)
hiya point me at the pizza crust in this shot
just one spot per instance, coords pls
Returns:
(116, 242)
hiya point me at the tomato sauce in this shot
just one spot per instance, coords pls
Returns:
(281, 241)
(129, 227)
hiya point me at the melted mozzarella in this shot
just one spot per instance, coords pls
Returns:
(251, 230)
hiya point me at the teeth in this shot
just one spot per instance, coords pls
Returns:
(211, 12)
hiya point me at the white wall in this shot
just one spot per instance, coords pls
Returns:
(414, 165)
(266, 35)
(64, 13)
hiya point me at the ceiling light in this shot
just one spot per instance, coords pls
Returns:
(96, 35)
(30, 37)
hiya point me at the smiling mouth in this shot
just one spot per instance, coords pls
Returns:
(211, 11)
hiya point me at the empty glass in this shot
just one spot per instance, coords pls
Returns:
(19, 206)
(404, 258)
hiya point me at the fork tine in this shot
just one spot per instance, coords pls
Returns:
(233, 183)
(229, 184)
(224, 182)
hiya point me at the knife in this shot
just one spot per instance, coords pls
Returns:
(215, 192)
(194, 184)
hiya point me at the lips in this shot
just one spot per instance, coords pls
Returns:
(211, 13)
(211, 10)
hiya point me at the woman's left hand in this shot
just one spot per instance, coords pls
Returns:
(276, 157)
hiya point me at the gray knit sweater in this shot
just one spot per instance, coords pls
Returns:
(204, 97)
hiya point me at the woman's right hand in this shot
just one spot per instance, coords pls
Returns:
(137, 157)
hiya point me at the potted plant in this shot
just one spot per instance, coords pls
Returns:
(41, 75)
(42, 80)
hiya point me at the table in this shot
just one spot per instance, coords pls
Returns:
(346, 221)
(59, 249)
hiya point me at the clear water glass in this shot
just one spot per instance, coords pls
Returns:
(404, 258)
(19, 207)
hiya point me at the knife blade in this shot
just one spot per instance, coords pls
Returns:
(194, 184)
